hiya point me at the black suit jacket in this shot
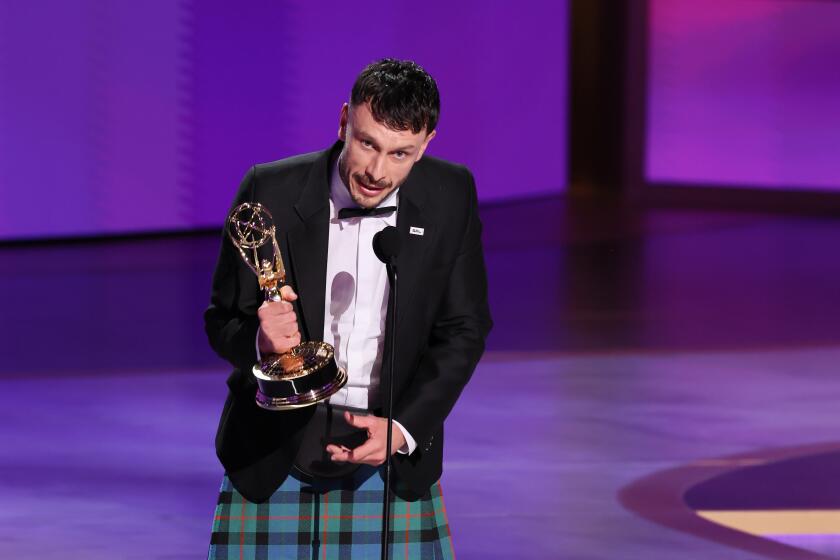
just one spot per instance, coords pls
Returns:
(443, 317)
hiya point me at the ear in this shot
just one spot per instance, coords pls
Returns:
(424, 145)
(342, 123)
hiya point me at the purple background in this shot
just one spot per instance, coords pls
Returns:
(127, 117)
(745, 92)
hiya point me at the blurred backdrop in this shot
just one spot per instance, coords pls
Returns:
(123, 117)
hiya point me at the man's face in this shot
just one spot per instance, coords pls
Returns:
(375, 159)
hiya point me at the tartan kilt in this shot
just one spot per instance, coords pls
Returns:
(329, 519)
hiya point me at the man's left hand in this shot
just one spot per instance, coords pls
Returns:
(372, 452)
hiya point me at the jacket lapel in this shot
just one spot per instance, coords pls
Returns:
(308, 245)
(308, 242)
(412, 216)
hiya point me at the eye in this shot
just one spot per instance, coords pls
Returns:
(399, 155)
(367, 143)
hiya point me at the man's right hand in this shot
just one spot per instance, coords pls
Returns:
(278, 324)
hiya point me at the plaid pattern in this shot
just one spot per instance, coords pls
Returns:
(329, 520)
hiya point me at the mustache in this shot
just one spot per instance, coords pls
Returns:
(365, 181)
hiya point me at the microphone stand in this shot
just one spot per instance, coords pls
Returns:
(391, 267)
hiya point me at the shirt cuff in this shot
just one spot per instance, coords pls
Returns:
(257, 345)
(410, 444)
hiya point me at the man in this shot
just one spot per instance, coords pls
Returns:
(337, 292)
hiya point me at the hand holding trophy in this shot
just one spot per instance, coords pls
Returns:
(306, 374)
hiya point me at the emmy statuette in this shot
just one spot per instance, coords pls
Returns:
(307, 374)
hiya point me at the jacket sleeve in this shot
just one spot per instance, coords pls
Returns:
(230, 321)
(457, 337)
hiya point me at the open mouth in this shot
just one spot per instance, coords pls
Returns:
(369, 190)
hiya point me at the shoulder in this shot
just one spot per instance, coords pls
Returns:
(282, 182)
(286, 167)
(446, 182)
(448, 186)
(446, 171)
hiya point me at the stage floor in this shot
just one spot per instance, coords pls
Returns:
(628, 344)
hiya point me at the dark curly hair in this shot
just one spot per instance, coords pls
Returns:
(401, 94)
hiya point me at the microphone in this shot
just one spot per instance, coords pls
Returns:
(386, 245)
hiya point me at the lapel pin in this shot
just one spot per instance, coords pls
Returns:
(415, 230)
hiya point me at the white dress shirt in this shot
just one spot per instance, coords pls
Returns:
(356, 302)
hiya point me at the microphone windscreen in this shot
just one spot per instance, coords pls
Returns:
(386, 244)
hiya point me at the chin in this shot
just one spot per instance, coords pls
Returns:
(366, 202)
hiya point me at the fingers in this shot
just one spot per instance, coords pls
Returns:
(277, 322)
(279, 309)
(360, 421)
(277, 344)
(287, 293)
(278, 326)
(338, 453)
(372, 452)
(369, 453)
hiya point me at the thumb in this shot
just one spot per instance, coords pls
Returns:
(287, 293)
(358, 421)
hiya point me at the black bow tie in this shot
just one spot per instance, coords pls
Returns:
(364, 212)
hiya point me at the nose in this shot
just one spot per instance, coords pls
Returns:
(376, 168)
